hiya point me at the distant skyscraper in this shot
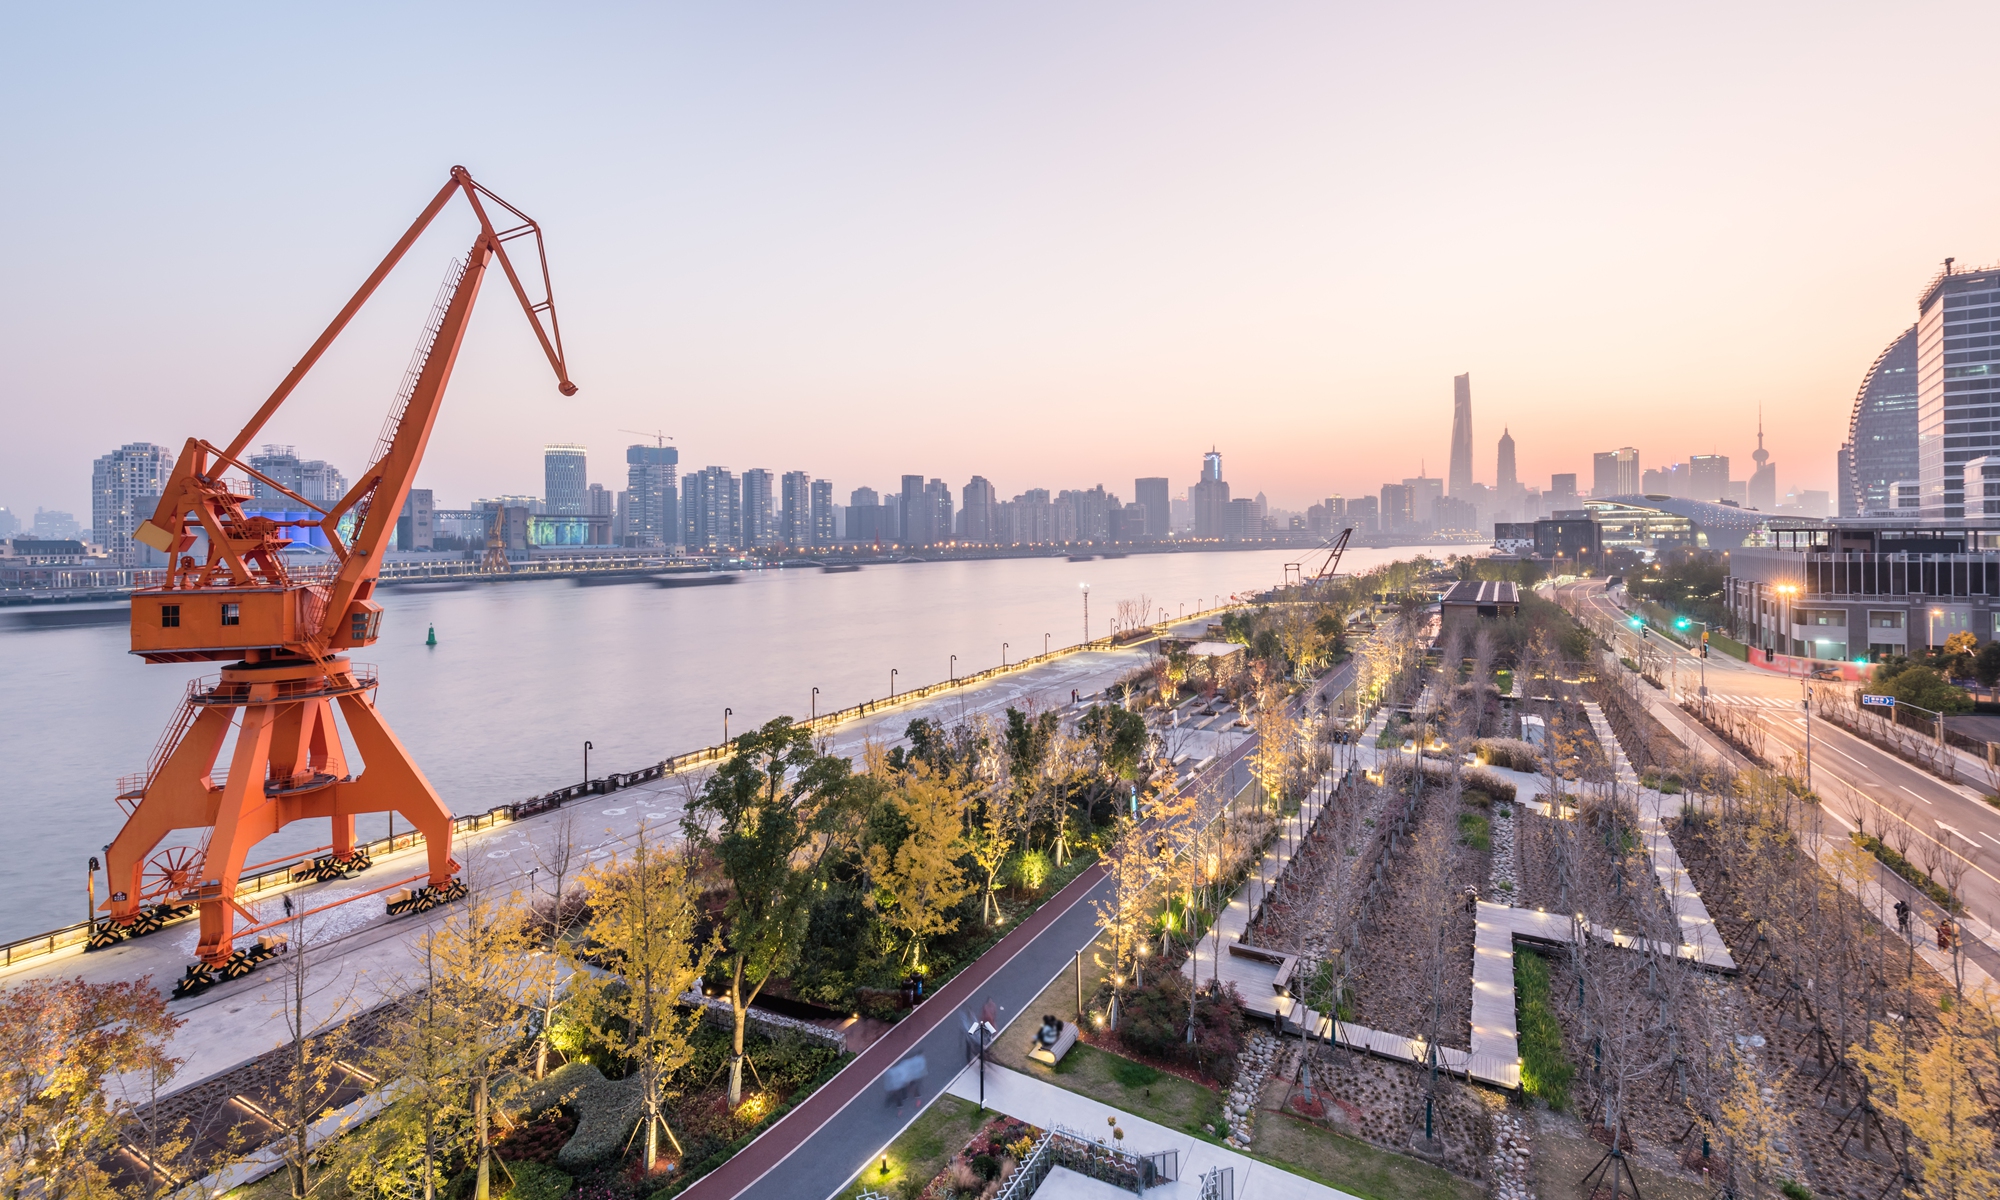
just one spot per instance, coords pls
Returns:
(760, 517)
(1153, 493)
(711, 511)
(1615, 473)
(1708, 477)
(1955, 373)
(795, 509)
(823, 531)
(1460, 478)
(652, 500)
(913, 531)
(1209, 498)
(936, 504)
(976, 511)
(125, 487)
(1881, 446)
(1504, 479)
(416, 527)
(1562, 490)
(1425, 491)
(1396, 515)
(564, 479)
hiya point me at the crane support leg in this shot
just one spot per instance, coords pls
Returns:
(391, 782)
(179, 797)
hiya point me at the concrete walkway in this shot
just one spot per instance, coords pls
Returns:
(1046, 1105)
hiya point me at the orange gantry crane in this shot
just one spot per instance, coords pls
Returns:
(230, 596)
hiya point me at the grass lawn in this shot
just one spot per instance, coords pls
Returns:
(923, 1149)
(1353, 1165)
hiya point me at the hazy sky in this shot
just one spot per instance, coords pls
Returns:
(1053, 244)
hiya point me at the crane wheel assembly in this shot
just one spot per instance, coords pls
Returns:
(285, 630)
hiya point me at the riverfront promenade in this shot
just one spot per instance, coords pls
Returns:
(361, 956)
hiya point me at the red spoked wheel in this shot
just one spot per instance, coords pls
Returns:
(171, 872)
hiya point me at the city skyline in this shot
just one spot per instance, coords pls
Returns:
(1262, 297)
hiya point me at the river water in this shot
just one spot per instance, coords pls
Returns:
(525, 672)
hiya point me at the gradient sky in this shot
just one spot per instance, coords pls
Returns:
(1053, 244)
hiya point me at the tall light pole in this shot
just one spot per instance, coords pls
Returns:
(586, 764)
(725, 725)
(952, 671)
(1805, 706)
(1045, 645)
(892, 683)
(815, 704)
(1086, 612)
(1003, 654)
(1931, 638)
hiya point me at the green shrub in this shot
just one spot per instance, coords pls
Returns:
(1475, 831)
(606, 1110)
(1031, 870)
(1545, 1069)
(1153, 1021)
(535, 1181)
(1794, 1190)
(1482, 780)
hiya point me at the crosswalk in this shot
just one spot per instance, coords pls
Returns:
(1755, 701)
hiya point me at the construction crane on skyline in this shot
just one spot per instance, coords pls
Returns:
(662, 438)
(284, 631)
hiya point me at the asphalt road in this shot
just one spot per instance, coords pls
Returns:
(1859, 784)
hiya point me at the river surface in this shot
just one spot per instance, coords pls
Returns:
(525, 672)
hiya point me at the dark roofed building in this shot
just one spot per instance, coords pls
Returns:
(1481, 598)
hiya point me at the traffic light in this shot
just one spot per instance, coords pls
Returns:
(1645, 631)
(1682, 623)
(1638, 622)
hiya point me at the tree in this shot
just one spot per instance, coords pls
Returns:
(310, 1072)
(918, 880)
(643, 918)
(1922, 687)
(426, 1125)
(1935, 1093)
(1986, 664)
(60, 1040)
(776, 808)
(995, 829)
(490, 963)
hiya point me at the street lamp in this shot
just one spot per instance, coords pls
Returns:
(1003, 654)
(725, 725)
(1045, 645)
(1086, 612)
(892, 683)
(815, 704)
(1787, 591)
(952, 671)
(1931, 640)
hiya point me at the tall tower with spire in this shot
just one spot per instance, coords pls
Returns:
(1458, 482)
(1762, 493)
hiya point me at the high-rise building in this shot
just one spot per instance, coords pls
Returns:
(760, 515)
(321, 482)
(795, 509)
(1153, 493)
(1396, 514)
(937, 510)
(564, 479)
(824, 532)
(52, 526)
(1957, 377)
(311, 479)
(416, 528)
(1562, 490)
(1881, 446)
(976, 511)
(652, 497)
(1093, 511)
(912, 530)
(1425, 492)
(1364, 513)
(711, 511)
(1209, 498)
(1615, 473)
(1504, 478)
(1708, 477)
(867, 520)
(1460, 476)
(125, 487)
(1761, 492)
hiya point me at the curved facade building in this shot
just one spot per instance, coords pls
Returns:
(1882, 431)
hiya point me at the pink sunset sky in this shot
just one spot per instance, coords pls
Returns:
(1051, 244)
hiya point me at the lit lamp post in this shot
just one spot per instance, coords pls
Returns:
(815, 704)
(1086, 612)
(1003, 654)
(725, 725)
(1931, 640)
(1786, 591)
(892, 683)
(1685, 623)
(952, 671)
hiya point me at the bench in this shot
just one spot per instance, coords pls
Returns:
(1052, 1055)
(1287, 964)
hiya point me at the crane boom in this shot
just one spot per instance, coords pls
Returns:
(1334, 550)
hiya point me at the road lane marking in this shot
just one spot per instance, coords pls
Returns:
(1950, 829)
(1989, 837)
(1917, 794)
